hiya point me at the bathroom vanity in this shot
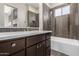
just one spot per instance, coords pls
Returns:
(29, 43)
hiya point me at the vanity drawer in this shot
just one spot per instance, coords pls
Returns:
(34, 39)
(9, 47)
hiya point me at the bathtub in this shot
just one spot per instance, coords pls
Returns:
(66, 46)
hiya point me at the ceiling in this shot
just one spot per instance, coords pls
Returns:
(51, 5)
(35, 5)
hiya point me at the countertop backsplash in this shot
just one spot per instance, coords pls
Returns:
(12, 29)
(17, 29)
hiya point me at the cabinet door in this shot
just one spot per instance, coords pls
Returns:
(41, 49)
(48, 50)
(48, 47)
(21, 53)
(31, 51)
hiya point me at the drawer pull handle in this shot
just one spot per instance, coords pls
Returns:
(38, 46)
(13, 44)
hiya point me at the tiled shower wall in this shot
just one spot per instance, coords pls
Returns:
(12, 29)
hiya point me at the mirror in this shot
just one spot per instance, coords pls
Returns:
(33, 19)
(10, 16)
(19, 15)
(33, 15)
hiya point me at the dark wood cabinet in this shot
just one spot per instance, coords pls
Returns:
(48, 51)
(41, 45)
(40, 50)
(34, 39)
(21, 53)
(48, 45)
(31, 51)
(36, 45)
(11, 47)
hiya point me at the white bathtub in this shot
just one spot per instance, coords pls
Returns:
(64, 45)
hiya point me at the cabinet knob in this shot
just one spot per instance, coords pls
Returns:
(13, 44)
(38, 46)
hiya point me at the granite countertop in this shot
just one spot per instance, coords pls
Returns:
(13, 35)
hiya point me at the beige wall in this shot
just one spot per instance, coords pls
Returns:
(1, 15)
